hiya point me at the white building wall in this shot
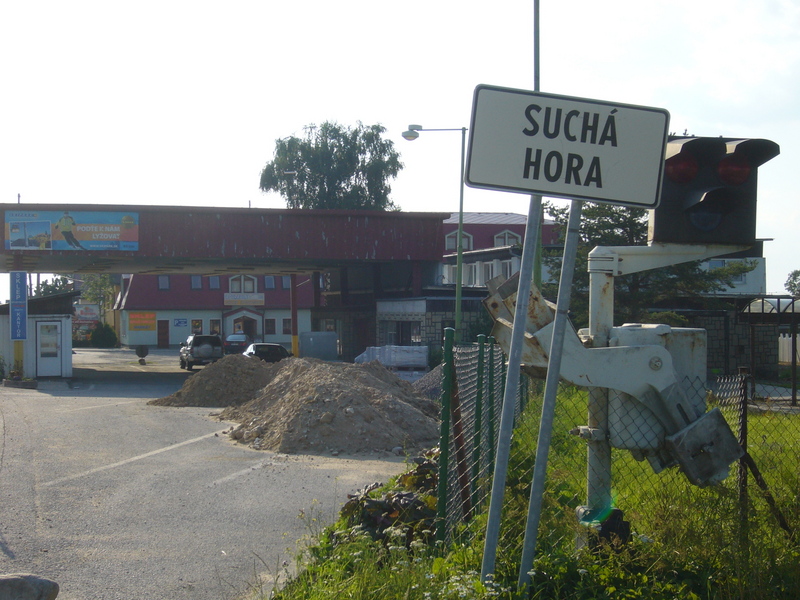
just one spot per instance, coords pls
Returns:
(180, 326)
(416, 307)
(785, 348)
(753, 282)
(303, 325)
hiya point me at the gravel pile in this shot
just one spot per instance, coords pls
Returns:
(303, 405)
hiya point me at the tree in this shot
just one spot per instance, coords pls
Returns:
(58, 284)
(793, 283)
(334, 167)
(98, 288)
(634, 294)
(103, 336)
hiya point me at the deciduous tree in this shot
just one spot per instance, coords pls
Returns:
(98, 288)
(58, 283)
(334, 166)
(793, 283)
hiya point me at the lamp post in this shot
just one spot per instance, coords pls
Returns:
(411, 134)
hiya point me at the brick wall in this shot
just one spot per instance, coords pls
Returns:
(729, 343)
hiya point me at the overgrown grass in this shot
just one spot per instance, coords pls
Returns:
(688, 542)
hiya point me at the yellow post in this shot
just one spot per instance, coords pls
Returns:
(293, 300)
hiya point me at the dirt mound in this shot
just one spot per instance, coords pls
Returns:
(234, 379)
(307, 405)
(430, 384)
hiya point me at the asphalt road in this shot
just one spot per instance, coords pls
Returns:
(115, 499)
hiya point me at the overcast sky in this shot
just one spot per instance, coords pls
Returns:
(180, 103)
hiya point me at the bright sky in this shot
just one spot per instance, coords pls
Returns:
(180, 103)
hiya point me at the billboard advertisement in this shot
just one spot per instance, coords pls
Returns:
(141, 321)
(19, 305)
(84, 321)
(67, 230)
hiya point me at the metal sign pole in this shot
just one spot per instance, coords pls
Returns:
(530, 268)
(550, 393)
(512, 387)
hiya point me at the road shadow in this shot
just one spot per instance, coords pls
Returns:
(86, 376)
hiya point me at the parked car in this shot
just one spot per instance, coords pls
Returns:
(200, 350)
(236, 343)
(271, 353)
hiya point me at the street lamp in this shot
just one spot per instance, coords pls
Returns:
(411, 134)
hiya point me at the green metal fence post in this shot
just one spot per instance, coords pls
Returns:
(492, 397)
(744, 509)
(476, 448)
(448, 375)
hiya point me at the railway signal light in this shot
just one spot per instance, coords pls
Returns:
(709, 189)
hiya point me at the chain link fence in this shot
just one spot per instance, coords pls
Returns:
(750, 513)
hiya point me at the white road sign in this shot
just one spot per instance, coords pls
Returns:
(530, 142)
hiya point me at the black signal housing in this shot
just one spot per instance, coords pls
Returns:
(709, 191)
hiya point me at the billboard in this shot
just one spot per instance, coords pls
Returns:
(85, 319)
(66, 230)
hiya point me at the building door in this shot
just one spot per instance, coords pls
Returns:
(364, 334)
(163, 333)
(247, 326)
(48, 349)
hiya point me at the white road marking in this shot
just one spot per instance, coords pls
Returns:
(261, 465)
(127, 460)
(67, 410)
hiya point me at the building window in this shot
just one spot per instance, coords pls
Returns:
(163, 282)
(197, 326)
(451, 241)
(287, 327)
(269, 282)
(400, 333)
(286, 282)
(469, 275)
(269, 327)
(197, 282)
(507, 238)
(242, 284)
(488, 272)
(213, 282)
(506, 266)
(449, 274)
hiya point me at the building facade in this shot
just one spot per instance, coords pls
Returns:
(163, 310)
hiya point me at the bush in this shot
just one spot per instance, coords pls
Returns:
(104, 336)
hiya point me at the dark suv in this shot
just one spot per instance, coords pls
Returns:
(200, 350)
(270, 353)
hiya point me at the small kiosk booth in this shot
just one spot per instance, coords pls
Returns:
(47, 349)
